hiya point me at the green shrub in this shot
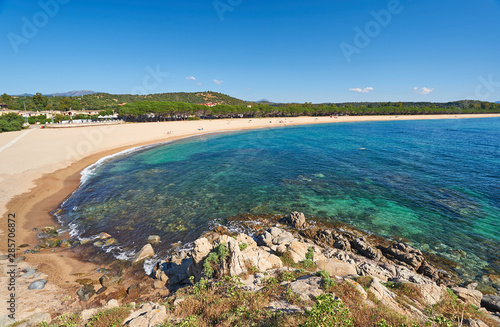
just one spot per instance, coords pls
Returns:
(328, 312)
(243, 246)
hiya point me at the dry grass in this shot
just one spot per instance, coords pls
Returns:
(108, 318)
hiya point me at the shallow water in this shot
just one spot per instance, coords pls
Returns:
(434, 182)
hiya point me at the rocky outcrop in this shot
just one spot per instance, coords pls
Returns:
(405, 254)
(384, 295)
(148, 315)
(307, 288)
(365, 249)
(336, 267)
(468, 296)
(369, 269)
(296, 220)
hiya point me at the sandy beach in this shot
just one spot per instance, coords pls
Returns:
(39, 168)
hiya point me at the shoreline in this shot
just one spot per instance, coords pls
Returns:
(41, 185)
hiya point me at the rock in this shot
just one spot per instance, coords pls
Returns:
(158, 284)
(307, 287)
(385, 296)
(148, 315)
(405, 253)
(491, 302)
(428, 271)
(298, 251)
(471, 286)
(86, 315)
(28, 272)
(65, 244)
(336, 267)
(431, 293)
(368, 269)
(473, 323)
(98, 244)
(85, 292)
(112, 304)
(52, 242)
(38, 284)
(221, 230)
(160, 275)
(109, 280)
(6, 321)
(145, 253)
(85, 281)
(405, 274)
(37, 318)
(358, 287)
(154, 239)
(19, 259)
(283, 240)
(275, 231)
(342, 244)
(296, 219)
(103, 236)
(365, 249)
(265, 239)
(468, 296)
(284, 306)
(177, 270)
(110, 241)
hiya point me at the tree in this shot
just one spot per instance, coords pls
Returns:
(64, 104)
(7, 99)
(40, 101)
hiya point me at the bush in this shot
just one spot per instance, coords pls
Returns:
(328, 311)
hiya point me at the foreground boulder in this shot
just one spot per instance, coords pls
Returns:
(145, 253)
(148, 315)
(307, 288)
(468, 296)
(491, 302)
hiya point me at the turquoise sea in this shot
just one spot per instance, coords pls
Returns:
(433, 182)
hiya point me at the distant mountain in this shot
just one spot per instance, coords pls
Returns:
(65, 94)
(73, 93)
(263, 101)
(497, 102)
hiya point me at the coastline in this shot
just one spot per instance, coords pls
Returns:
(38, 175)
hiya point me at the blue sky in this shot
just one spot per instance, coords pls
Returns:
(287, 51)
